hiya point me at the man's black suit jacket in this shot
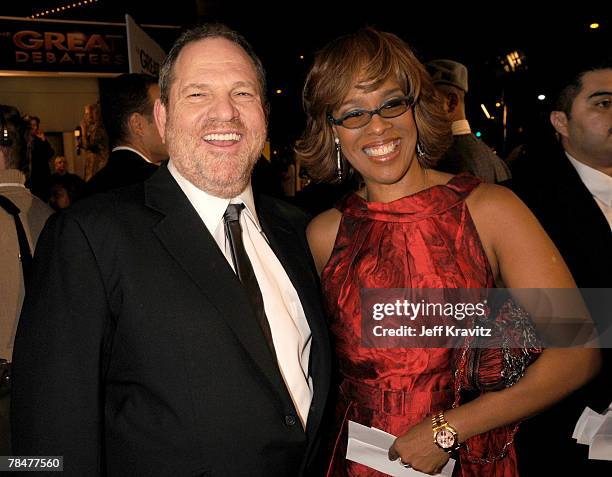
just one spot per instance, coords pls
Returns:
(124, 167)
(138, 353)
(550, 186)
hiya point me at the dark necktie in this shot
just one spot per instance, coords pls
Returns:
(244, 269)
(25, 255)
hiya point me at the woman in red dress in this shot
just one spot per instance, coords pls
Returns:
(371, 104)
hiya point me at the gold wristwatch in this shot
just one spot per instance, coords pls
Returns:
(444, 435)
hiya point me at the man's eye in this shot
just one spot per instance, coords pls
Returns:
(604, 103)
(196, 95)
(244, 94)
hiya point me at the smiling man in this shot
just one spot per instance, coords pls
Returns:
(180, 330)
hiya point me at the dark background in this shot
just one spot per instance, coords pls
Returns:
(552, 37)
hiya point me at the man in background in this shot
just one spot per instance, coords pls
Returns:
(467, 153)
(568, 186)
(22, 217)
(40, 154)
(126, 104)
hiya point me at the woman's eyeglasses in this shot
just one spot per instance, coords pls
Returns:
(358, 118)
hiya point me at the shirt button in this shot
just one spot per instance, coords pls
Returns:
(290, 420)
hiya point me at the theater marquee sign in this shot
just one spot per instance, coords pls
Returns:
(59, 46)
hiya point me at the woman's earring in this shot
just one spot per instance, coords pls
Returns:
(338, 160)
(420, 151)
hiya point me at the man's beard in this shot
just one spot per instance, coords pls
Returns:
(219, 174)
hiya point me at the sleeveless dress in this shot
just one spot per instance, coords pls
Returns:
(425, 240)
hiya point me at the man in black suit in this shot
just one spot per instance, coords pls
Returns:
(140, 352)
(127, 103)
(568, 186)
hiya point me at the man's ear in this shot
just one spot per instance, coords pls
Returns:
(159, 111)
(558, 119)
(452, 101)
(135, 124)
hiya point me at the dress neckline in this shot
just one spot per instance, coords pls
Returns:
(427, 202)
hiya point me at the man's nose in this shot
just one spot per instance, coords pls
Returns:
(223, 109)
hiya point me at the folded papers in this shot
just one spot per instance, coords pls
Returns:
(370, 446)
(595, 430)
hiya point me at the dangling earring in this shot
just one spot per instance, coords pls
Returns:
(420, 151)
(338, 160)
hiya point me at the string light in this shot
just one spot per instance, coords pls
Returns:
(63, 8)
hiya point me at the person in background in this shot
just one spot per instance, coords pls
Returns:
(371, 103)
(567, 184)
(94, 140)
(22, 216)
(467, 153)
(40, 154)
(136, 147)
(65, 186)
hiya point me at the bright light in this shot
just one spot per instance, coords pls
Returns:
(478, 134)
(498, 105)
(301, 57)
(279, 91)
(484, 110)
(541, 97)
(594, 26)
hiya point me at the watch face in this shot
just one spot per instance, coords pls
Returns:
(445, 438)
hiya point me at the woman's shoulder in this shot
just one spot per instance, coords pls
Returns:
(493, 197)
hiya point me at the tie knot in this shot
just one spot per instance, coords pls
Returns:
(232, 213)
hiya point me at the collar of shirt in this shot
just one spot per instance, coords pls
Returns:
(211, 208)
(460, 127)
(598, 183)
(12, 178)
(128, 148)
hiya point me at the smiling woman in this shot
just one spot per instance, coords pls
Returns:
(371, 103)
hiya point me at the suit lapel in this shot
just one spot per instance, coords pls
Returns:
(187, 240)
(578, 204)
(289, 249)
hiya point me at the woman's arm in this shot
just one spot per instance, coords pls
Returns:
(523, 256)
(321, 234)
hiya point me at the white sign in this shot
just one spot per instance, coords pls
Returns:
(144, 54)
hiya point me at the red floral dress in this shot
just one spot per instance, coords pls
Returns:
(425, 240)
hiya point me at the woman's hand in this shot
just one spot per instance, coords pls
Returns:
(417, 448)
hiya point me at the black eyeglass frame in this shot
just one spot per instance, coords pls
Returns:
(408, 100)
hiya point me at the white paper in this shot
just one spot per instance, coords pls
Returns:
(601, 444)
(587, 426)
(370, 446)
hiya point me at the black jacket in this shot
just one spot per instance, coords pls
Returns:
(138, 353)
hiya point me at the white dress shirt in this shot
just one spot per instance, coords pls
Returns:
(599, 185)
(290, 331)
(128, 148)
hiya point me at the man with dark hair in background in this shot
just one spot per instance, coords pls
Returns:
(137, 148)
(40, 153)
(568, 186)
(22, 217)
